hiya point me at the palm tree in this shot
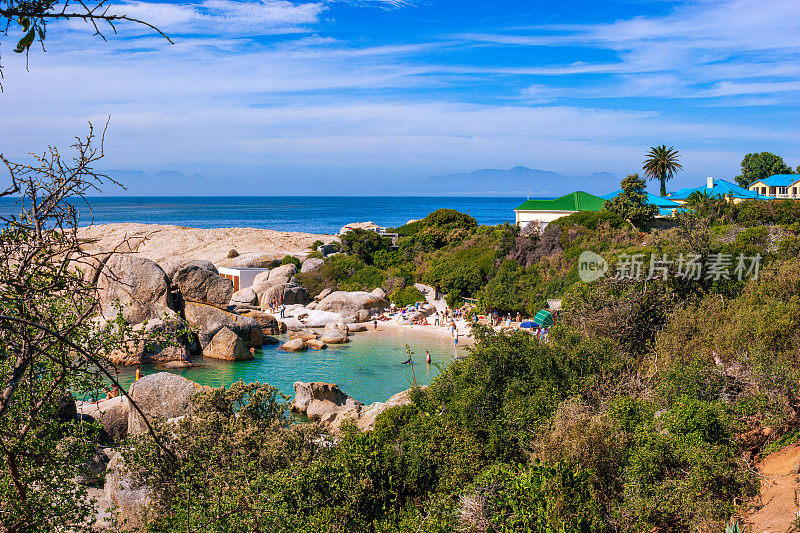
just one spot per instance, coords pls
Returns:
(661, 163)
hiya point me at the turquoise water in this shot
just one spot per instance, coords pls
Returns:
(368, 368)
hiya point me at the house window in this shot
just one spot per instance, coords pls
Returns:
(794, 191)
(763, 190)
(783, 190)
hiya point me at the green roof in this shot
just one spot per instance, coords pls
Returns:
(576, 201)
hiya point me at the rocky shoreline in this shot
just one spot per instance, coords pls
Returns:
(166, 398)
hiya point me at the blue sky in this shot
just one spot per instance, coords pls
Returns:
(350, 96)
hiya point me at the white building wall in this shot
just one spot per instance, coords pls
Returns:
(542, 217)
(246, 275)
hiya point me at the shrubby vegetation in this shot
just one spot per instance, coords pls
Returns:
(639, 414)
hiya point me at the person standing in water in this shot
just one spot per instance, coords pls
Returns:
(138, 374)
(427, 357)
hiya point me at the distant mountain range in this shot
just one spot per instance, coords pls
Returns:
(161, 183)
(519, 180)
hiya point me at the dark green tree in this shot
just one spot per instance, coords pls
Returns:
(631, 204)
(364, 244)
(661, 163)
(758, 166)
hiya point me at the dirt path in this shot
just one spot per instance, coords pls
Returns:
(778, 488)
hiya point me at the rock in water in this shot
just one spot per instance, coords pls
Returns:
(294, 345)
(160, 396)
(311, 264)
(349, 303)
(339, 326)
(325, 403)
(302, 334)
(200, 284)
(208, 320)
(139, 285)
(334, 336)
(316, 344)
(228, 346)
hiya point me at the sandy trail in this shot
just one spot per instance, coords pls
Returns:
(778, 492)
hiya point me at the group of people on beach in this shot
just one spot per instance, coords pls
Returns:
(276, 304)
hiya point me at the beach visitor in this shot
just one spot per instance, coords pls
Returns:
(283, 311)
(375, 323)
(519, 317)
(138, 374)
(427, 357)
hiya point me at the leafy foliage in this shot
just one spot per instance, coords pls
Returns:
(632, 203)
(758, 166)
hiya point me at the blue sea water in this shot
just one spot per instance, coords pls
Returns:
(312, 214)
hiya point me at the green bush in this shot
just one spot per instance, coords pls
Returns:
(590, 219)
(364, 244)
(290, 259)
(406, 295)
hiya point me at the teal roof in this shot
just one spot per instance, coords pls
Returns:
(658, 201)
(720, 188)
(779, 180)
(576, 201)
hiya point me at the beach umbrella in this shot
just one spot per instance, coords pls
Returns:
(543, 318)
(527, 324)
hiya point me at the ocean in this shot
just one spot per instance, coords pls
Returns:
(311, 214)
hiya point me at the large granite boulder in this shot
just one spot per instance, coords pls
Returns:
(228, 346)
(338, 326)
(93, 469)
(314, 318)
(283, 273)
(368, 414)
(160, 343)
(170, 267)
(350, 303)
(325, 403)
(334, 336)
(137, 285)
(200, 263)
(111, 413)
(160, 397)
(311, 264)
(261, 282)
(290, 323)
(244, 297)
(379, 293)
(269, 324)
(316, 344)
(124, 492)
(208, 320)
(200, 284)
(322, 295)
(291, 292)
(303, 334)
(294, 345)
(362, 315)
